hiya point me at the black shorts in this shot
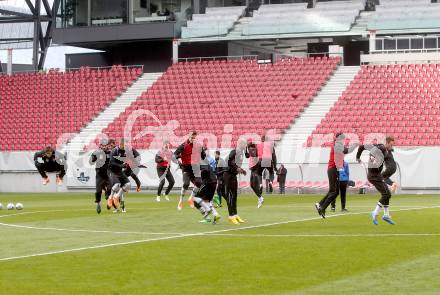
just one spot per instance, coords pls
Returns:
(189, 176)
(102, 182)
(120, 178)
(187, 169)
(207, 191)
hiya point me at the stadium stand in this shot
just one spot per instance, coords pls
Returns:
(207, 95)
(217, 21)
(296, 18)
(37, 108)
(400, 100)
(405, 14)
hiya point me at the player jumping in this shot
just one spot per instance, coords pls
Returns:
(335, 164)
(205, 194)
(101, 158)
(220, 167)
(49, 160)
(163, 159)
(390, 169)
(378, 153)
(188, 156)
(256, 171)
(120, 158)
(268, 158)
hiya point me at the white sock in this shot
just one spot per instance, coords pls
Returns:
(377, 209)
(182, 194)
(386, 211)
(214, 212)
(205, 205)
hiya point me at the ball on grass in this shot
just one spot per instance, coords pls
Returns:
(19, 206)
(10, 206)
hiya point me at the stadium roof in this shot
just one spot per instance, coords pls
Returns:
(16, 23)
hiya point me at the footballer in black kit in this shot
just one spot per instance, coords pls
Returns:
(234, 167)
(101, 158)
(121, 158)
(378, 154)
(49, 160)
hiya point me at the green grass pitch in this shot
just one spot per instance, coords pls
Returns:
(59, 245)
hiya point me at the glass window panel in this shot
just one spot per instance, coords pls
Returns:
(389, 44)
(379, 44)
(430, 42)
(402, 43)
(416, 43)
(107, 12)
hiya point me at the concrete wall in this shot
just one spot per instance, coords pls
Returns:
(85, 35)
(155, 56)
(28, 182)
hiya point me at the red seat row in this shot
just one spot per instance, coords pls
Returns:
(37, 108)
(398, 100)
(205, 96)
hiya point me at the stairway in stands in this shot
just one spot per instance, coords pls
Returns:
(361, 24)
(237, 30)
(95, 127)
(299, 131)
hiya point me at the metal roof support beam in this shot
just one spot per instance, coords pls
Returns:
(31, 6)
(48, 36)
(47, 8)
(18, 19)
(37, 32)
(15, 13)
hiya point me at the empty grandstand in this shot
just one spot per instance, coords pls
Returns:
(405, 15)
(251, 97)
(304, 78)
(297, 18)
(281, 146)
(400, 100)
(38, 108)
(216, 21)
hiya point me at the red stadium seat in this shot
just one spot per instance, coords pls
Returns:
(37, 108)
(392, 99)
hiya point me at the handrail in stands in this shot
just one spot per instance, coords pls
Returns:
(75, 69)
(234, 57)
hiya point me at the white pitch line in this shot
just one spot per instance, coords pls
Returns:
(310, 219)
(87, 230)
(191, 235)
(323, 235)
(96, 247)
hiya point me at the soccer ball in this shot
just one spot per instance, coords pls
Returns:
(1, 206)
(19, 206)
(10, 206)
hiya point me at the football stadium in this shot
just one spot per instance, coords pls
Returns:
(219, 146)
